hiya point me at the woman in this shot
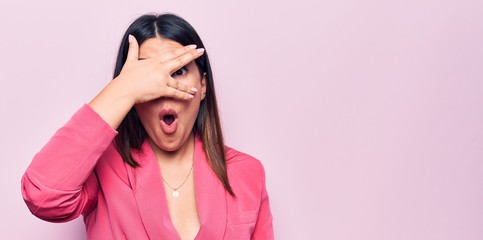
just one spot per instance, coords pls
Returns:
(165, 173)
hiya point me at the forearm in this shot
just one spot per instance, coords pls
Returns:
(113, 103)
(71, 154)
(60, 181)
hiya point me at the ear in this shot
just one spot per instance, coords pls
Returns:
(203, 87)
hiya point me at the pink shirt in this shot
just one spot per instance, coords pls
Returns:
(79, 172)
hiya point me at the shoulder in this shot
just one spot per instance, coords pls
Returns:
(243, 166)
(240, 159)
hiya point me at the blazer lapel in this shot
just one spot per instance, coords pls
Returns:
(210, 197)
(150, 195)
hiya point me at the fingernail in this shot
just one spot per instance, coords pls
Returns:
(194, 90)
(190, 96)
(192, 46)
(130, 38)
(200, 50)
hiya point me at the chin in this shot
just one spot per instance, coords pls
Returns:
(172, 143)
(168, 143)
(170, 147)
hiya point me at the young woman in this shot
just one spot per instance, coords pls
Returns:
(145, 159)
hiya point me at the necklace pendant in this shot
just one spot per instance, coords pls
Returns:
(176, 194)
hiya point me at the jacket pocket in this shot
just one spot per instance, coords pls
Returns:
(243, 217)
(240, 225)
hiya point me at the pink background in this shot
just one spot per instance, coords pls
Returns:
(368, 115)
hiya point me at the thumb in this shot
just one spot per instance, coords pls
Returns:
(133, 51)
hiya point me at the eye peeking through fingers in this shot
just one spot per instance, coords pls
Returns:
(180, 72)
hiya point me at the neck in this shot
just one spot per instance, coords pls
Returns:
(184, 155)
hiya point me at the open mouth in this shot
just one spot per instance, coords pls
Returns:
(168, 119)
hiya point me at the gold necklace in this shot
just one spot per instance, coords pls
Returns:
(176, 193)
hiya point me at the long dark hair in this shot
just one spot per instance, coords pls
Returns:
(131, 133)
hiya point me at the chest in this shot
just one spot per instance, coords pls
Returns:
(181, 202)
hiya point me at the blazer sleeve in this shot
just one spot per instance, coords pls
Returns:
(60, 184)
(264, 227)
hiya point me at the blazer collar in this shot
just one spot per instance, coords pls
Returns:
(151, 199)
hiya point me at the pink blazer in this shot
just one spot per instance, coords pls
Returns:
(80, 172)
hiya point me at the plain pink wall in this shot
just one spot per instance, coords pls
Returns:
(368, 115)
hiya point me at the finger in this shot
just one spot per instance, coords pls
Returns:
(177, 94)
(133, 51)
(184, 59)
(179, 86)
(176, 53)
(172, 83)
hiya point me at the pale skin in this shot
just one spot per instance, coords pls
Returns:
(162, 74)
